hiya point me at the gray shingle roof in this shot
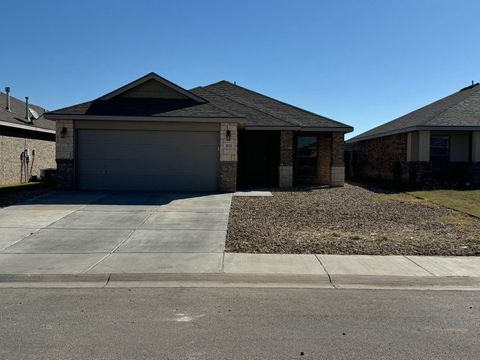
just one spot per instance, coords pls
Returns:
(261, 110)
(223, 100)
(16, 115)
(145, 107)
(460, 109)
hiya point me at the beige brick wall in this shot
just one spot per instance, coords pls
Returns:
(228, 158)
(228, 149)
(11, 148)
(65, 144)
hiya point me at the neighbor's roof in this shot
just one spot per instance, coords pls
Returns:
(222, 100)
(16, 115)
(459, 110)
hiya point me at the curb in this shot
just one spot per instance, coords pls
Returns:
(222, 280)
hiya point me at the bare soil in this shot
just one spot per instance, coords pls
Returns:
(349, 220)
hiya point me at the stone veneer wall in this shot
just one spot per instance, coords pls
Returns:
(383, 158)
(65, 155)
(286, 159)
(228, 158)
(476, 173)
(13, 142)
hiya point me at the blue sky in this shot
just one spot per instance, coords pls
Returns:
(360, 62)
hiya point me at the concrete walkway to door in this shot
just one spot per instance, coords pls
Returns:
(101, 232)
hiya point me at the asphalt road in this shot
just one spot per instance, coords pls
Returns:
(169, 323)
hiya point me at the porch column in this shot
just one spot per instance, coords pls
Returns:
(338, 159)
(418, 157)
(476, 146)
(228, 157)
(424, 146)
(286, 159)
(65, 154)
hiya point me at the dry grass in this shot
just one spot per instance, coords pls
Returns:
(466, 201)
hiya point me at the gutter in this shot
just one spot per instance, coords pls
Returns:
(299, 128)
(145, 118)
(414, 128)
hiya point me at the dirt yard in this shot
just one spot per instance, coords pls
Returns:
(349, 220)
(14, 195)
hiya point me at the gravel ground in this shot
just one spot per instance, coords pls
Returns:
(349, 220)
(11, 198)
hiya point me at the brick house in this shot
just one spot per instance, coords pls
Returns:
(152, 134)
(27, 140)
(437, 143)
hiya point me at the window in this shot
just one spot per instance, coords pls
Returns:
(307, 155)
(440, 148)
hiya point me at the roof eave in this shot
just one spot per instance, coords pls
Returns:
(414, 128)
(56, 116)
(300, 128)
(26, 127)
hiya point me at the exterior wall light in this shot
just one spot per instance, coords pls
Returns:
(229, 135)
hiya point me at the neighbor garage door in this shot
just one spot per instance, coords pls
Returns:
(147, 160)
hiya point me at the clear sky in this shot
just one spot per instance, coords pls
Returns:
(362, 62)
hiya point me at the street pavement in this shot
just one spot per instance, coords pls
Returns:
(192, 323)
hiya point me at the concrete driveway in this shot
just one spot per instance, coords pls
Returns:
(100, 232)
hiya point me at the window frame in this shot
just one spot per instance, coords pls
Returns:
(298, 156)
(438, 158)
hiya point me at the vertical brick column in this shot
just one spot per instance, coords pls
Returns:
(65, 154)
(324, 164)
(228, 158)
(286, 159)
(338, 159)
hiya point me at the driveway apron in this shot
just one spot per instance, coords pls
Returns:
(102, 232)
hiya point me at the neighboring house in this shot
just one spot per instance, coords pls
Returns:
(438, 143)
(27, 140)
(154, 135)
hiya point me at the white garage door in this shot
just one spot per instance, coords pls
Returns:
(147, 160)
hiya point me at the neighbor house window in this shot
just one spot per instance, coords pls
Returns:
(440, 148)
(307, 155)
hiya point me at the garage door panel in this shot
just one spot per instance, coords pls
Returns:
(147, 160)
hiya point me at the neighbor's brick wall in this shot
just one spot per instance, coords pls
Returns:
(65, 145)
(13, 143)
(228, 158)
(383, 158)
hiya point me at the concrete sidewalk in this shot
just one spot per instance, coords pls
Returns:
(276, 270)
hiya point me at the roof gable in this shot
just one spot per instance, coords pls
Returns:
(152, 86)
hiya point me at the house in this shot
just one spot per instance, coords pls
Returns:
(27, 140)
(438, 143)
(151, 134)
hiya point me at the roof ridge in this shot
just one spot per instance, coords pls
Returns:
(216, 106)
(251, 107)
(282, 102)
